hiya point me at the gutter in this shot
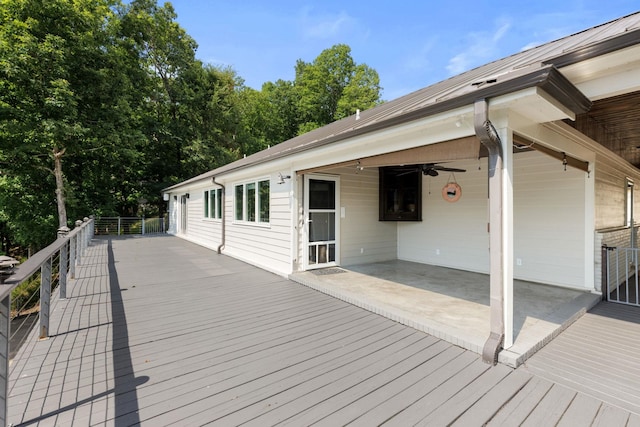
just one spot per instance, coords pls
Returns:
(547, 78)
(224, 216)
(489, 138)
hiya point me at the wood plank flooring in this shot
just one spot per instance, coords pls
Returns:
(157, 331)
(599, 355)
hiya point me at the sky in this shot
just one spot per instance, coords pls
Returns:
(411, 44)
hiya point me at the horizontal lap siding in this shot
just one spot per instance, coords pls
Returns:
(610, 187)
(549, 221)
(265, 246)
(201, 230)
(610, 196)
(450, 234)
(363, 238)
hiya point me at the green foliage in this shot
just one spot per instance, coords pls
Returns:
(103, 104)
(330, 88)
(24, 298)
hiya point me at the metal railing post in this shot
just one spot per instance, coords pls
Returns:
(63, 264)
(5, 316)
(63, 267)
(72, 257)
(143, 226)
(45, 296)
(604, 273)
(79, 244)
(118, 226)
(86, 234)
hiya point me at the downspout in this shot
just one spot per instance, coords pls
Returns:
(222, 211)
(490, 139)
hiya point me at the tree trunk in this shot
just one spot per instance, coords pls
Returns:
(57, 171)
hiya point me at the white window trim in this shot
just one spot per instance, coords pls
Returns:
(629, 214)
(213, 211)
(244, 221)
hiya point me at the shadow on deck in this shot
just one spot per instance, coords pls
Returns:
(159, 331)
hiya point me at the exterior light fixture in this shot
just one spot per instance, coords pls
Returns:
(281, 178)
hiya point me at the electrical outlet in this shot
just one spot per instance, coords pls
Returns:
(361, 250)
(437, 251)
(519, 262)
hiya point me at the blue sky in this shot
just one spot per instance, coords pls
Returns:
(411, 44)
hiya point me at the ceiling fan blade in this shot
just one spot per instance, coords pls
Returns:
(430, 172)
(407, 172)
(450, 169)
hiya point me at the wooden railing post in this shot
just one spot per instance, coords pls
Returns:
(45, 297)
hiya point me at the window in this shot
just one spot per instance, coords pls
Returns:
(239, 202)
(400, 193)
(219, 203)
(629, 204)
(213, 203)
(252, 201)
(263, 198)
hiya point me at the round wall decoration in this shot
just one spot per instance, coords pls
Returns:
(451, 192)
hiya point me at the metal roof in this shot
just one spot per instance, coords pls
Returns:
(534, 67)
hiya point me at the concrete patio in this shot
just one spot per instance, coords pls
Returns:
(453, 304)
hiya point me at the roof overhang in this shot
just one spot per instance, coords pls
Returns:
(542, 84)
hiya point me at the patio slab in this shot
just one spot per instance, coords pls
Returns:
(453, 304)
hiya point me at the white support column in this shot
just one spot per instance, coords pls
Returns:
(590, 250)
(506, 138)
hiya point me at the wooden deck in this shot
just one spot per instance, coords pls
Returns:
(157, 331)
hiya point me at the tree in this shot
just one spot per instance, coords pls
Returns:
(66, 106)
(333, 86)
(190, 119)
(329, 88)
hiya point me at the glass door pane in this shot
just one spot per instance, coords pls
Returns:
(321, 220)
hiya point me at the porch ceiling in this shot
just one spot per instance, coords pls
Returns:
(457, 149)
(615, 123)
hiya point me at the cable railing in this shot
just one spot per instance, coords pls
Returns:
(35, 280)
(120, 226)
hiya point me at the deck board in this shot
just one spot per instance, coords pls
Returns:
(598, 356)
(158, 331)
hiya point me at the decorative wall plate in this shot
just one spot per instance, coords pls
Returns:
(451, 192)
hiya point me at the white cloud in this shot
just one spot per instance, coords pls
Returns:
(325, 26)
(419, 61)
(481, 47)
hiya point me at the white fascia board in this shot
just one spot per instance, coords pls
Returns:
(457, 123)
(533, 103)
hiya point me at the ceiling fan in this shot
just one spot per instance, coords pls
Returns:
(430, 169)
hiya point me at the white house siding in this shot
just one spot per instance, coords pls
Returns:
(610, 196)
(201, 230)
(266, 246)
(363, 238)
(548, 222)
(450, 234)
(611, 228)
